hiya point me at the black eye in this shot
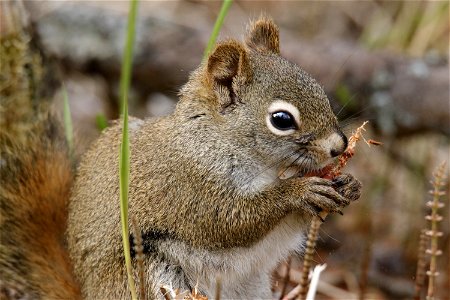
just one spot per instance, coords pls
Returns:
(282, 120)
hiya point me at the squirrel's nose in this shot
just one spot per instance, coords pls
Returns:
(340, 146)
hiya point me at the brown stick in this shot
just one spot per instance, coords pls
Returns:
(309, 255)
(421, 264)
(317, 220)
(286, 278)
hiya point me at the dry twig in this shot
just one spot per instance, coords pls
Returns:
(139, 250)
(286, 278)
(317, 220)
(421, 264)
(308, 258)
(434, 233)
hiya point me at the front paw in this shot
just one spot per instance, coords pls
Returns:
(347, 186)
(320, 195)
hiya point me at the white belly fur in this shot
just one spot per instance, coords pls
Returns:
(244, 272)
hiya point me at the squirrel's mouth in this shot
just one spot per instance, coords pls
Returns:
(320, 172)
(298, 171)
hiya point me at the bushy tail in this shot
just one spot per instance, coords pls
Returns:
(35, 175)
(35, 186)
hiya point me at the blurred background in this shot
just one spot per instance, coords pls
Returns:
(381, 61)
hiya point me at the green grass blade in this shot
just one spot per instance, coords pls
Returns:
(124, 161)
(219, 21)
(124, 185)
(101, 121)
(68, 128)
(127, 58)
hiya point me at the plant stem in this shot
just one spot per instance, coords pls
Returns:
(421, 264)
(139, 250)
(309, 255)
(127, 58)
(124, 155)
(434, 233)
(68, 122)
(219, 21)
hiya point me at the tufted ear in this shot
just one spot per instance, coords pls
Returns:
(229, 59)
(228, 63)
(263, 36)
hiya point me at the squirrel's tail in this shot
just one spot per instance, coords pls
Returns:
(35, 186)
(35, 178)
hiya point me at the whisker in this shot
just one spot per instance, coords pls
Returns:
(349, 126)
(360, 111)
(338, 71)
(291, 164)
(352, 121)
(300, 151)
(347, 103)
(302, 162)
(306, 167)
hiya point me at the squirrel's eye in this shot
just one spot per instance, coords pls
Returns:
(282, 120)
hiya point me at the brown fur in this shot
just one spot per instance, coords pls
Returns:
(34, 193)
(203, 185)
(35, 180)
(263, 36)
(203, 181)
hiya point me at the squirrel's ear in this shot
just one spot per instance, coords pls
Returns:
(263, 36)
(228, 64)
(228, 60)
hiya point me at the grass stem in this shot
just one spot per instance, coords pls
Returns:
(68, 128)
(219, 21)
(124, 156)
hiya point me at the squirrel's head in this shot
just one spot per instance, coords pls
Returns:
(264, 103)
